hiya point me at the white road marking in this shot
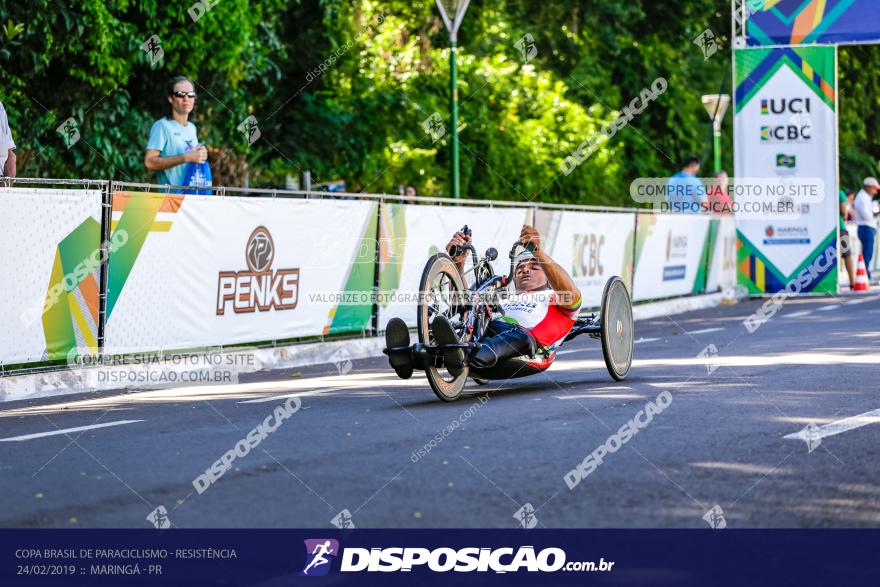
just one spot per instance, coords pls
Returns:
(645, 340)
(798, 314)
(859, 301)
(568, 352)
(775, 360)
(274, 398)
(703, 331)
(828, 307)
(67, 431)
(838, 427)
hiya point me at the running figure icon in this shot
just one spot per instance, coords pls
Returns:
(321, 549)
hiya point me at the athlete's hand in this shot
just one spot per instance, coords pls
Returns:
(529, 234)
(459, 239)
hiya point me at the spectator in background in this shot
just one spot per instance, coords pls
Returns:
(845, 240)
(686, 193)
(173, 141)
(718, 202)
(7, 146)
(410, 194)
(865, 218)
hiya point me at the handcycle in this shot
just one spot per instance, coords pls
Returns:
(470, 309)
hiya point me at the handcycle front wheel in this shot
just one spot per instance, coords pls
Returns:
(441, 290)
(617, 331)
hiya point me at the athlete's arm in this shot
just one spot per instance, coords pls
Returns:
(459, 239)
(567, 292)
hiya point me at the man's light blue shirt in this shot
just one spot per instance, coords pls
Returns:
(170, 138)
(685, 192)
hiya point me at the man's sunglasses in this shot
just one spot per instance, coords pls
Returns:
(184, 95)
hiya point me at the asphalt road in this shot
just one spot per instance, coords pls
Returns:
(354, 442)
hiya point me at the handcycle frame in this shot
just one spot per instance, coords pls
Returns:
(475, 306)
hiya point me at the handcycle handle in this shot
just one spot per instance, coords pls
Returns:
(456, 250)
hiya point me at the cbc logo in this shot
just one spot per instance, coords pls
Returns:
(588, 255)
(260, 250)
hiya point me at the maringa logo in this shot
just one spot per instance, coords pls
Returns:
(259, 288)
(676, 245)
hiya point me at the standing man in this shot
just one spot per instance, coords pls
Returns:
(845, 239)
(864, 207)
(7, 146)
(686, 193)
(173, 140)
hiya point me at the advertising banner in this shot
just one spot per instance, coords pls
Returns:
(786, 128)
(672, 251)
(410, 234)
(202, 271)
(722, 265)
(50, 262)
(807, 22)
(591, 246)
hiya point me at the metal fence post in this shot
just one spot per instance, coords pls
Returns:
(632, 286)
(377, 267)
(106, 221)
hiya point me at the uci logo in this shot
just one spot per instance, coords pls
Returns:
(785, 105)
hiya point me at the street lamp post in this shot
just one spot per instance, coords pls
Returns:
(716, 105)
(452, 13)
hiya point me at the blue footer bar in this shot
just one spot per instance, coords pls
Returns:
(439, 557)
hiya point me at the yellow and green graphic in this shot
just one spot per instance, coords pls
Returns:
(70, 311)
(392, 244)
(355, 312)
(136, 215)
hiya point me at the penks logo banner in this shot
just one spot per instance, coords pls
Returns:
(786, 132)
(201, 271)
(258, 288)
(52, 253)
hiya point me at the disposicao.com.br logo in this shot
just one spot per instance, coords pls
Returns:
(442, 560)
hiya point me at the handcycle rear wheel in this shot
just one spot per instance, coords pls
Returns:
(617, 328)
(441, 289)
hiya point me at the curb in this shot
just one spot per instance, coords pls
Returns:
(147, 376)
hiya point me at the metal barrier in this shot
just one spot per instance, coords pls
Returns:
(110, 188)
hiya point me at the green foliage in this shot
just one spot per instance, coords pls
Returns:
(859, 113)
(342, 88)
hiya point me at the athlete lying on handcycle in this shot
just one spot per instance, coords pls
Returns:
(532, 323)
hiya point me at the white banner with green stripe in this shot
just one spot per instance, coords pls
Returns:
(785, 128)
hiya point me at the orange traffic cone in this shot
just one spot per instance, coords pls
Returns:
(861, 283)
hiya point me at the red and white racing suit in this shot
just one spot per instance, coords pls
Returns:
(539, 312)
